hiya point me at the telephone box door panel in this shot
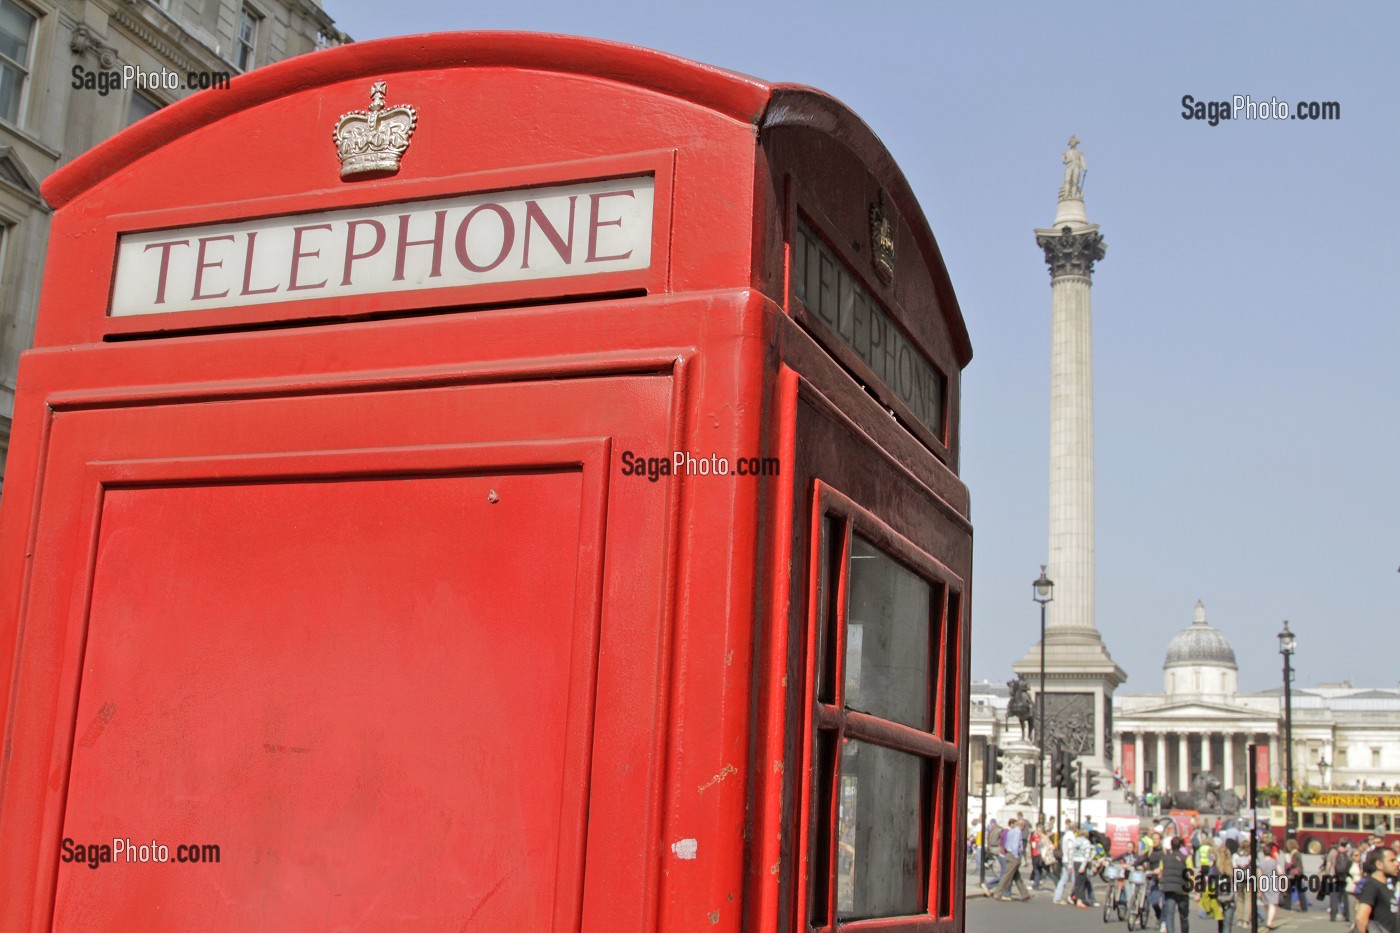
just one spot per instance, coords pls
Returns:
(347, 680)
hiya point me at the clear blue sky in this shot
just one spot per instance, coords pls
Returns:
(1246, 334)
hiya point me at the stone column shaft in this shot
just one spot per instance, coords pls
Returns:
(1205, 752)
(1071, 246)
(1071, 460)
(1138, 764)
(1183, 762)
(1161, 775)
(1228, 781)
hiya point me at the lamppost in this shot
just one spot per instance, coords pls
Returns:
(1286, 644)
(1042, 591)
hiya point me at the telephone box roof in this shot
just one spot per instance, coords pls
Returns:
(732, 94)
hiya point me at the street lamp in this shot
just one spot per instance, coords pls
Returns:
(1042, 591)
(1286, 644)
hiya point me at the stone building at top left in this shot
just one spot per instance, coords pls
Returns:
(69, 79)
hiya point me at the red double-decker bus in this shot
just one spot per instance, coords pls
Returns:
(1333, 815)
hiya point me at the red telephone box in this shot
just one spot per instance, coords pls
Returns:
(487, 482)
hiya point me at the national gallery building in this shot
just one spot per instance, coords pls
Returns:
(1343, 736)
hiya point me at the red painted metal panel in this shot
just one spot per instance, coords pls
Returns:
(271, 695)
(419, 531)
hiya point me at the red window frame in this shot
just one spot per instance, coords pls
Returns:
(835, 520)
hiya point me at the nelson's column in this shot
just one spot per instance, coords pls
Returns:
(1080, 676)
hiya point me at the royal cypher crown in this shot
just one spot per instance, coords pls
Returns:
(373, 140)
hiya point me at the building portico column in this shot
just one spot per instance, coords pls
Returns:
(1274, 770)
(1205, 752)
(1183, 762)
(1161, 776)
(1138, 764)
(1118, 751)
(1227, 781)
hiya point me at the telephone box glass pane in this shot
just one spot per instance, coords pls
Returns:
(828, 586)
(878, 861)
(887, 638)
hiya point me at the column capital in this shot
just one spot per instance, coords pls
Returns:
(1069, 253)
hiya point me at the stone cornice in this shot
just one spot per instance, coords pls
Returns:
(167, 38)
(1071, 254)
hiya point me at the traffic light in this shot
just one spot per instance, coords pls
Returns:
(1063, 771)
(1091, 783)
(996, 765)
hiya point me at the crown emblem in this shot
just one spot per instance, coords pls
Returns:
(372, 141)
(881, 241)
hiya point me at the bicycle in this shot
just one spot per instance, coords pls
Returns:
(1139, 911)
(1115, 902)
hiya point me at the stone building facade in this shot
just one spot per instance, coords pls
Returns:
(74, 72)
(1343, 736)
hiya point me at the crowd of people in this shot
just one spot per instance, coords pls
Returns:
(1206, 871)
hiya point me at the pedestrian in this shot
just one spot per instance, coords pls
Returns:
(1245, 905)
(1080, 856)
(1222, 867)
(1067, 841)
(1374, 913)
(1050, 859)
(992, 840)
(1033, 851)
(1152, 865)
(1355, 876)
(1175, 883)
(1013, 849)
(1334, 875)
(1270, 881)
(1297, 881)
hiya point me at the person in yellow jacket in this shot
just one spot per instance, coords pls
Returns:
(1210, 906)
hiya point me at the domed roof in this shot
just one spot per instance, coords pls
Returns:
(1200, 643)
